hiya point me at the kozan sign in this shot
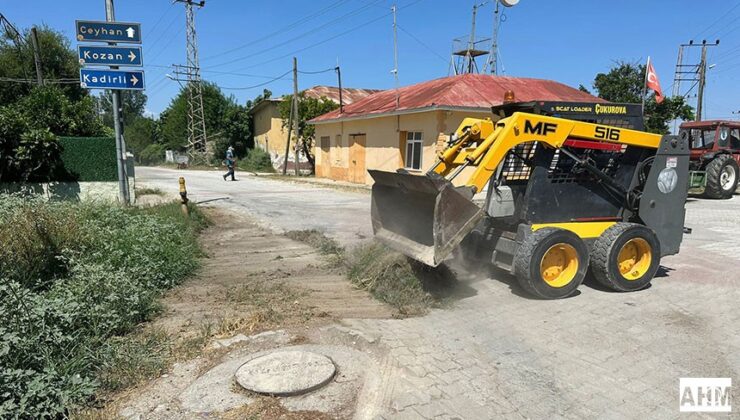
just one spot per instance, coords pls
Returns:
(705, 394)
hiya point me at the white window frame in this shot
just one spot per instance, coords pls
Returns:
(415, 139)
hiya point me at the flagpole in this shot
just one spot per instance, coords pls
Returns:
(644, 86)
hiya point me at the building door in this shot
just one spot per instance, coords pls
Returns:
(324, 167)
(357, 158)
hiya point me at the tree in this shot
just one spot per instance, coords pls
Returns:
(624, 83)
(174, 119)
(308, 109)
(59, 65)
(140, 134)
(133, 103)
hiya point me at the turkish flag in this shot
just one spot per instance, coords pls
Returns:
(653, 82)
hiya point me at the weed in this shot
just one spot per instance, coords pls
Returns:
(316, 239)
(148, 191)
(74, 278)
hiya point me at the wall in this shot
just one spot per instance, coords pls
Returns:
(268, 130)
(385, 149)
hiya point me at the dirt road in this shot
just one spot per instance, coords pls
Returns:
(499, 354)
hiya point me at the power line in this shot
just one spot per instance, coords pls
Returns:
(316, 44)
(318, 71)
(342, 18)
(257, 85)
(724, 15)
(441, 57)
(279, 31)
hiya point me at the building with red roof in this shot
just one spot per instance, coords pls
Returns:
(405, 127)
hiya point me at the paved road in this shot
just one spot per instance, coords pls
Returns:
(279, 205)
(498, 354)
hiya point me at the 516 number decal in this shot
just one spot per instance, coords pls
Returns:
(607, 133)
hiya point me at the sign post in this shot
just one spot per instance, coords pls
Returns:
(112, 56)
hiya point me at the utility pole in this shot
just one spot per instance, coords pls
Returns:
(292, 116)
(395, 54)
(37, 56)
(702, 82)
(296, 115)
(339, 82)
(123, 187)
(197, 138)
(696, 73)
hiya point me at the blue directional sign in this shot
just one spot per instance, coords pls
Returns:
(127, 32)
(109, 56)
(112, 79)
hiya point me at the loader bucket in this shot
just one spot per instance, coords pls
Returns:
(423, 217)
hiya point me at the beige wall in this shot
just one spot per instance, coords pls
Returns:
(268, 129)
(384, 148)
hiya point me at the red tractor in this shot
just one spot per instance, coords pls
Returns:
(715, 155)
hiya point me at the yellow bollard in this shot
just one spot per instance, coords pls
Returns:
(184, 197)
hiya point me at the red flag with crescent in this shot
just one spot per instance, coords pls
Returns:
(653, 82)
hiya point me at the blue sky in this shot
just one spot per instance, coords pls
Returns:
(568, 41)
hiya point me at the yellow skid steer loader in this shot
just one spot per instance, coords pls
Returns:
(561, 195)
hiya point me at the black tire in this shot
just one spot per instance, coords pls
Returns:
(605, 255)
(529, 257)
(716, 170)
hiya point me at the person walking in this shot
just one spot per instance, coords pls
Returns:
(230, 163)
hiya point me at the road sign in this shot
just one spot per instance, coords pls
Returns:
(127, 32)
(109, 56)
(112, 79)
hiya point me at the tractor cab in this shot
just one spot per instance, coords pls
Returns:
(715, 156)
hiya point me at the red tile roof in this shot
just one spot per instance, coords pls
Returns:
(349, 95)
(467, 91)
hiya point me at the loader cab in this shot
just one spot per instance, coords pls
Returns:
(613, 114)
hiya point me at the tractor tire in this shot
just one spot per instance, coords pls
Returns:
(625, 257)
(551, 263)
(722, 177)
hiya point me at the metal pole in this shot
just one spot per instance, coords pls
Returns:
(37, 56)
(644, 86)
(494, 42)
(123, 193)
(395, 54)
(471, 43)
(702, 81)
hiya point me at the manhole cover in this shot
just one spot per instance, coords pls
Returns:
(288, 372)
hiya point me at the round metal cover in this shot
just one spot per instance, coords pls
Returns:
(288, 372)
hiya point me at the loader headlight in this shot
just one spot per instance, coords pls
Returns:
(667, 180)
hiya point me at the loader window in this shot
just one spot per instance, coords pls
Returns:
(414, 146)
(518, 163)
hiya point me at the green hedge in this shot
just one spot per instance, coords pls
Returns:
(89, 158)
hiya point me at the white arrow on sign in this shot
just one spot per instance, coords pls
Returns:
(131, 56)
(134, 80)
(130, 31)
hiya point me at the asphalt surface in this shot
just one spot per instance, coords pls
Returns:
(496, 353)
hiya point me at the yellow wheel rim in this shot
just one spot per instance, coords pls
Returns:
(634, 259)
(559, 265)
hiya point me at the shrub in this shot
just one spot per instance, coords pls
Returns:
(152, 154)
(74, 278)
(91, 159)
(257, 160)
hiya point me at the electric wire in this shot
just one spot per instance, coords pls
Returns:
(276, 32)
(342, 18)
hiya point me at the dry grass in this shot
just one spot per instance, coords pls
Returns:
(270, 408)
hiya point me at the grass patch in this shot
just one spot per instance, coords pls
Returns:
(316, 239)
(407, 285)
(273, 304)
(74, 279)
(149, 191)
